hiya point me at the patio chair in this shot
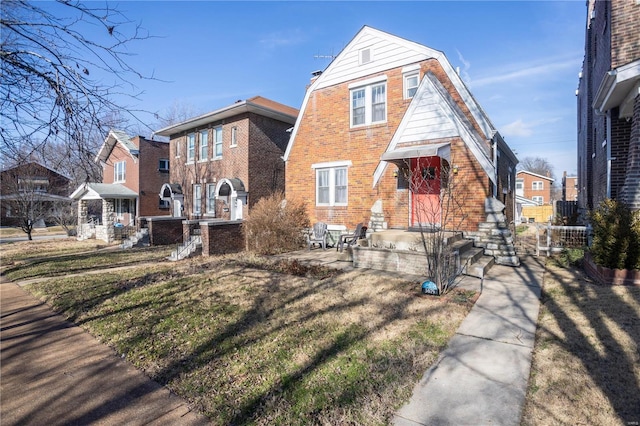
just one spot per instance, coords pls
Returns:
(348, 240)
(318, 235)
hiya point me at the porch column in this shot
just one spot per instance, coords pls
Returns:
(108, 213)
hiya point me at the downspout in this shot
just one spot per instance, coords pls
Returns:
(494, 143)
(609, 158)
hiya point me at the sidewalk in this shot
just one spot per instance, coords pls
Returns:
(54, 373)
(481, 378)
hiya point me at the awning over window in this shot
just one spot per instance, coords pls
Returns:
(398, 156)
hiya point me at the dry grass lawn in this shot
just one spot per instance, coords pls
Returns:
(586, 364)
(249, 340)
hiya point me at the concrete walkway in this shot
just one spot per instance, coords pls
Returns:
(481, 378)
(54, 373)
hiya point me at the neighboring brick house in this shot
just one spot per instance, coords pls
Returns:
(609, 105)
(133, 171)
(382, 128)
(534, 187)
(31, 191)
(224, 161)
(569, 188)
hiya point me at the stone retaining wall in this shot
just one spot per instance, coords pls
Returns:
(408, 262)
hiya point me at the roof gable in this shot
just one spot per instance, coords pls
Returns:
(31, 164)
(114, 137)
(433, 114)
(535, 175)
(387, 52)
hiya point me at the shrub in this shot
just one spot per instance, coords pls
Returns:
(616, 236)
(276, 225)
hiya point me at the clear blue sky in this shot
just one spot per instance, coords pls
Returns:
(520, 59)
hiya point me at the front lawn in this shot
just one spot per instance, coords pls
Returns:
(248, 340)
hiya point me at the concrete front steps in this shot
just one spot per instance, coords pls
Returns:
(191, 247)
(473, 260)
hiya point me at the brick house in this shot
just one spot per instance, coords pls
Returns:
(224, 161)
(133, 171)
(569, 187)
(609, 105)
(534, 187)
(383, 129)
(31, 191)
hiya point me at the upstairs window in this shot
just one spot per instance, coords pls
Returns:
(234, 136)
(369, 104)
(191, 147)
(204, 145)
(119, 171)
(410, 85)
(163, 165)
(217, 140)
(537, 185)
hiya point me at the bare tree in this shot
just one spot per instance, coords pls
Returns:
(538, 165)
(54, 68)
(438, 213)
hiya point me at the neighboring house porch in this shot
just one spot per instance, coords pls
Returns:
(118, 210)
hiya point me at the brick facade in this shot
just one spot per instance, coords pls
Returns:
(324, 136)
(612, 43)
(528, 179)
(255, 159)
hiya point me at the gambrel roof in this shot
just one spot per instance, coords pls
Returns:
(390, 52)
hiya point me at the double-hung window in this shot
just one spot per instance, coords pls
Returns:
(211, 199)
(538, 199)
(537, 185)
(332, 183)
(217, 141)
(119, 171)
(368, 103)
(197, 200)
(234, 136)
(410, 85)
(204, 145)
(191, 147)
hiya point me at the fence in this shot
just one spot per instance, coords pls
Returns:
(553, 239)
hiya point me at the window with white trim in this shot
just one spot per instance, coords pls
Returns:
(211, 199)
(537, 185)
(410, 84)
(331, 186)
(204, 145)
(234, 136)
(191, 147)
(178, 149)
(197, 199)
(217, 141)
(369, 104)
(119, 171)
(163, 164)
(538, 199)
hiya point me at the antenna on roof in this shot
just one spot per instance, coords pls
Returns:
(318, 56)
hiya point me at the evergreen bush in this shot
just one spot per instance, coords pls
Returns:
(616, 236)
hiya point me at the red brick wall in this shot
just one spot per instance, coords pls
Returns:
(256, 159)
(324, 135)
(528, 185)
(164, 231)
(222, 238)
(151, 178)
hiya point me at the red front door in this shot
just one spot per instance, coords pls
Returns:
(425, 183)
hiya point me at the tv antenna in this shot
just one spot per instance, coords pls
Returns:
(319, 56)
